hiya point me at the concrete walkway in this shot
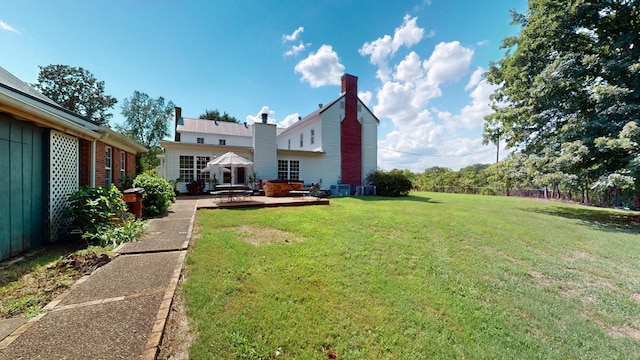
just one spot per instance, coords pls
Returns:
(120, 310)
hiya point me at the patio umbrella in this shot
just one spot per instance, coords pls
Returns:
(229, 159)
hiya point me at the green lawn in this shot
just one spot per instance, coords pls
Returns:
(426, 276)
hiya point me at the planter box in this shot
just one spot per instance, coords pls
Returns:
(281, 188)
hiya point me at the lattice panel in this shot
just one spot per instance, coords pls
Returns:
(64, 178)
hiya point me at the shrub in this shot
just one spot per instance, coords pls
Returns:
(93, 208)
(126, 182)
(98, 212)
(158, 193)
(392, 183)
(129, 230)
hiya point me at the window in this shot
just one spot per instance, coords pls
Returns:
(123, 164)
(288, 169)
(201, 163)
(359, 107)
(294, 170)
(186, 167)
(108, 161)
(301, 140)
(313, 136)
(200, 140)
(289, 144)
(222, 142)
(283, 169)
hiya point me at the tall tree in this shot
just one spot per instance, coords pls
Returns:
(146, 121)
(570, 79)
(76, 89)
(215, 115)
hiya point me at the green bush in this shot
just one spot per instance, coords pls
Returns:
(93, 208)
(158, 193)
(392, 183)
(98, 212)
(129, 230)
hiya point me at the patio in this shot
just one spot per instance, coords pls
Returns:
(256, 201)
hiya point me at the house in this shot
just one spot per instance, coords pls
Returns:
(336, 144)
(47, 153)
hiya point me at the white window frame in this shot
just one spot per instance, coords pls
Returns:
(301, 140)
(200, 140)
(288, 169)
(312, 139)
(186, 167)
(108, 165)
(123, 164)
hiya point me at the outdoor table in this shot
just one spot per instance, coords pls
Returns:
(232, 191)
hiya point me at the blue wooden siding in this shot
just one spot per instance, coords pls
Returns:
(23, 184)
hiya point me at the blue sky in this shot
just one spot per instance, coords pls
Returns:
(418, 63)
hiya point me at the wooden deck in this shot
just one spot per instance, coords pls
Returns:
(211, 202)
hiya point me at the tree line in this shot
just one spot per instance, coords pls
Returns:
(519, 176)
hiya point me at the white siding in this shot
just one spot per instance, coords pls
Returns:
(173, 151)
(328, 166)
(305, 128)
(369, 142)
(264, 151)
(214, 139)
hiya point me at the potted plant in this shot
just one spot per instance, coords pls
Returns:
(253, 181)
(213, 182)
(195, 187)
(175, 183)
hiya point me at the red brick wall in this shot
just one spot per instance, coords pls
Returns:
(100, 151)
(131, 165)
(351, 135)
(85, 162)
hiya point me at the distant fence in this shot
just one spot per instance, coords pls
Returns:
(606, 198)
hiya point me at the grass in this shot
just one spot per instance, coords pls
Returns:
(427, 276)
(29, 282)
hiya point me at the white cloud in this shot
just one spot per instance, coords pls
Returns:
(293, 36)
(7, 27)
(321, 68)
(366, 97)
(410, 68)
(419, 135)
(472, 115)
(475, 78)
(289, 120)
(271, 119)
(296, 49)
(448, 62)
(482, 42)
(380, 50)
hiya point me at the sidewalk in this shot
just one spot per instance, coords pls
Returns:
(120, 310)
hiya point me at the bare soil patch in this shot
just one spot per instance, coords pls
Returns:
(30, 282)
(265, 236)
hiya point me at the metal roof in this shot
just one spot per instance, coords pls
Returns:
(213, 127)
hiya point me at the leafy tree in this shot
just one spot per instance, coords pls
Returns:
(569, 80)
(146, 121)
(215, 115)
(391, 183)
(76, 89)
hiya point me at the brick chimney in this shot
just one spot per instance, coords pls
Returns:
(351, 135)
